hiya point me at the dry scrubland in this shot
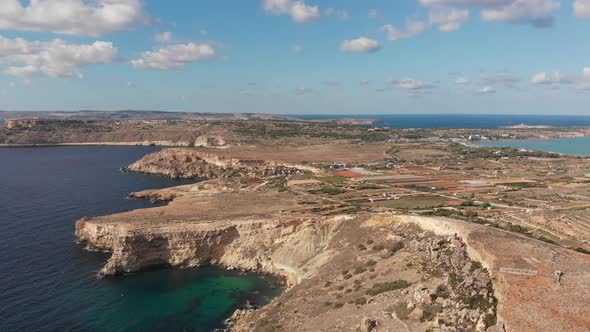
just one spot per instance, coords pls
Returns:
(373, 230)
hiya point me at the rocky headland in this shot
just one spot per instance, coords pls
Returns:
(191, 163)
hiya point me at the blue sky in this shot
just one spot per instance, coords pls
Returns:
(288, 56)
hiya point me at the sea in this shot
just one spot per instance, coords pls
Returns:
(569, 146)
(406, 121)
(49, 282)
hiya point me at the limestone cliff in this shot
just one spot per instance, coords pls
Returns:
(273, 246)
(192, 163)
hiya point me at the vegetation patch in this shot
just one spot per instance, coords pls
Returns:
(401, 310)
(430, 311)
(387, 287)
(416, 202)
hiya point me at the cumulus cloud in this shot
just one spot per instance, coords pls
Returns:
(582, 8)
(174, 56)
(164, 37)
(302, 90)
(538, 13)
(53, 58)
(71, 17)
(541, 78)
(448, 19)
(373, 13)
(582, 80)
(486, 90)
(462, 81)
(413, 28)
(360, 45)
(298, 10)
(411, 84)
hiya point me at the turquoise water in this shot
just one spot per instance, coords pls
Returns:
(48, 282)
(579, 146)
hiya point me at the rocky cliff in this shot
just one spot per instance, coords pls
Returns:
(192, 163)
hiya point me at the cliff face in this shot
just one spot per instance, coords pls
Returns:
(191, 163)
(269, 246)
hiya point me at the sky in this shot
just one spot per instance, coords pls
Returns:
(297, 56)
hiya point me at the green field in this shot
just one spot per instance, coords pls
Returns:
(416, 202)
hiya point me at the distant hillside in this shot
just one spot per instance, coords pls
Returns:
(142, 115)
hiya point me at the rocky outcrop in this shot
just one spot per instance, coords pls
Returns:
(210, 142)
(192, 163)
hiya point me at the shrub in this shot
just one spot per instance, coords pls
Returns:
(489, 320)
(387, 287)
(401, 310)
(359, 269)
(518, 229)
(430, 311)
(360, 301)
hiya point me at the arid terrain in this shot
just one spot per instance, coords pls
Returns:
(372, 229)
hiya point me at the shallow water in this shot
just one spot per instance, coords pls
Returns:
(579, 146)
(49, 283)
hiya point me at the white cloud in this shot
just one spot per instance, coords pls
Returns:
(373, 13)
(298, 10)
(27, 82)
(486, 90)
(204, 32)
(298, 48)
(304, 90)
(538, 13)
(12, 84)
(582, 8)
(71, 17)
(174, 56)
(164, 37)
(53, 58)
(360, 45)
(558, 78)
(462, 81)
(413, 28)
(448, 19)
(365, 82)
(541, 78)
(411, 84)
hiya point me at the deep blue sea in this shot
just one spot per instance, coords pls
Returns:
(402, 121)
(48, 282)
